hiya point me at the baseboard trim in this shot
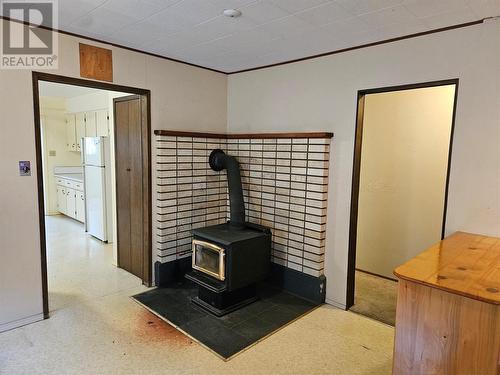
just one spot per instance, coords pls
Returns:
(376, 275)
(301, 284)
(21, 322)
(336, 304)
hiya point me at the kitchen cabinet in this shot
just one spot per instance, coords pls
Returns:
(91, 124)
(71, 203)
(102, 123)
(80, 206)
(79, 130)
(85, 124)
(70, 197)
(71, 132)
(61, 199)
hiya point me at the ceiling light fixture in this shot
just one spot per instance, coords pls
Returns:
(233, 13)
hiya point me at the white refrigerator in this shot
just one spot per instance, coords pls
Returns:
(97, 186)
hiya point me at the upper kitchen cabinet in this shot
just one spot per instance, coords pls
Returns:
(91, 124)
(71, 143)
(102, 123)
(79, 130)
(85, 124)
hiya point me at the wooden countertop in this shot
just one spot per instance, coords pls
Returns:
(463, 263)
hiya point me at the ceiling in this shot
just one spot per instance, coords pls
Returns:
(268, 32)
(59, 90)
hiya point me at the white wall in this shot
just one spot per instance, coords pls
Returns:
(182, 97)
(402, 183)
(52, 111)
(320, 94)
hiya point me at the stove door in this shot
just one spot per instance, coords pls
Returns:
(209, 258)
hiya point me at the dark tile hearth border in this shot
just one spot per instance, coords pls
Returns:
(233, 333)
(300, 284)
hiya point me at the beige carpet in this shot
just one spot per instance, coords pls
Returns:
(375, 297)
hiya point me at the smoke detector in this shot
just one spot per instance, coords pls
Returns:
(233, 13)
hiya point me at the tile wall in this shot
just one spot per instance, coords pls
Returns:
(285, 185)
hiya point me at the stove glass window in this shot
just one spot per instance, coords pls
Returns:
(208, 258)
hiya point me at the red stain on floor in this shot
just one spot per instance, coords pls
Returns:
(150, 328)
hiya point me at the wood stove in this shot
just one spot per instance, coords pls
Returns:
(229, 259)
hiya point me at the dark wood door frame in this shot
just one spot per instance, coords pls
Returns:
(353, 222)
(147, 197)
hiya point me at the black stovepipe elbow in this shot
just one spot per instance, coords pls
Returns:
(218, 161)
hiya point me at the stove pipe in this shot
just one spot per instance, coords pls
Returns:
(218, 161)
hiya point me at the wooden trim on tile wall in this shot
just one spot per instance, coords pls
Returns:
(175, 133)
(353, 222)
(46, 77)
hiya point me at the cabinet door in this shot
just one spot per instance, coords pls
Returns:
(61, 199)
(90, 124)
(71, 202)
(80, 206)
(70, 132)
(102, 123)
(79, 130)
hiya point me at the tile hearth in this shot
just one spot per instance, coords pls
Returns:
(232, 333)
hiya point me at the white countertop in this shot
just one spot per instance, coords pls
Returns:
(78, 177)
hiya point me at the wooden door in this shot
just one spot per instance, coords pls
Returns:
(132, 186)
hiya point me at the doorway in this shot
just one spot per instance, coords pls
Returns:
(400, 183)
(77, 165)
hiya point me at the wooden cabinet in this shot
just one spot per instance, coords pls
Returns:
(448, 314)
(91, 124)
(61, 199)
(71, 132)
(102, 123)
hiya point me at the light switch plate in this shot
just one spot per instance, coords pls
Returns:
(24, 168)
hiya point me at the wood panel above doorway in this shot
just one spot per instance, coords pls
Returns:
(96, 63)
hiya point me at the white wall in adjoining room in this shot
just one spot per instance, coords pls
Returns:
(182, 97)
(52, 112)
(321, 94)
(102, 99)
(402, 182)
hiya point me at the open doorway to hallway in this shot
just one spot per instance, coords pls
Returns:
(82, 255)
(399, 187)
